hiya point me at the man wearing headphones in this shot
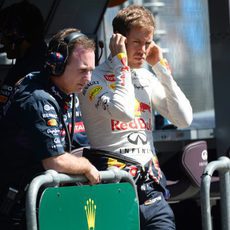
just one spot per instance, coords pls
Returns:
(36, 134)
(22, 38)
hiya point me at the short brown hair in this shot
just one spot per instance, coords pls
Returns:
(58, 44)
(133, 16)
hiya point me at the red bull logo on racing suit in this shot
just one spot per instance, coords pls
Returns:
(136, 124)
(141, 107)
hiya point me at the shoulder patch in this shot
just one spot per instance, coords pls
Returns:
(94, 91)
(52, 122)
(88, 85)
(110, 77)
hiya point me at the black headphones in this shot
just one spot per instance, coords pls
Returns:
(57, 58)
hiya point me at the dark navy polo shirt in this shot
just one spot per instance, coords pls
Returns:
(33, 128)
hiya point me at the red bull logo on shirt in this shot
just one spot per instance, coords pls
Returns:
(141, 107)
(136, 124)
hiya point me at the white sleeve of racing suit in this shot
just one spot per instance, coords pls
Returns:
(168, 99)
(115, 100)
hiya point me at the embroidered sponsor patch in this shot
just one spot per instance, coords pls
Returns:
(153, 200)
(112, 86)
(48, 107)
(137, 138)
(49, 115)
(141, 107)
(136, 151)
(79, 127)
(94, 91)
(136, 124)
(110, 77)
(88, 85)
(54, 132)
(57, 140)
(3, 98)
(52, 122)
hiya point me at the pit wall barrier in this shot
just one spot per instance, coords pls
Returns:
(222, 165)
(57, 201)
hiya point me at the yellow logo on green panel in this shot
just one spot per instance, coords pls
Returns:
(90, 211)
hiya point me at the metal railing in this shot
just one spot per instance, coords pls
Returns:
(222, 165)
(51, 178)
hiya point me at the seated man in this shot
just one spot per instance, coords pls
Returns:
(35, 133)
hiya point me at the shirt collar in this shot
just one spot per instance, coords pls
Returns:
(58, 94)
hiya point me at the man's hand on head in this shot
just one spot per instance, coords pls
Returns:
(117, 44)
(154, 54)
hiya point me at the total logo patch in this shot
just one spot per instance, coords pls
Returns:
(52, 122)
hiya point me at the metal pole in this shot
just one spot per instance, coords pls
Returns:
(225, 199)
(223, 166)
(205, 203)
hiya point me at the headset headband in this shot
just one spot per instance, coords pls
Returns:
(57, 59)
(73, 36)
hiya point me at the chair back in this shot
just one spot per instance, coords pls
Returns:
(194, 160)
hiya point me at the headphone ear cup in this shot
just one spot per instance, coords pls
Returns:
(55, 63)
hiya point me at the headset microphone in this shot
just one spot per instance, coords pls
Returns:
(101, 46)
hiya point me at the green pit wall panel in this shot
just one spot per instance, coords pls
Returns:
(98, 207)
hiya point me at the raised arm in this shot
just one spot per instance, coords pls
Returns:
(111, 92)
(168, 99)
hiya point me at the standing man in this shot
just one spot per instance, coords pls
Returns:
(35, 133)
(117, 107)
